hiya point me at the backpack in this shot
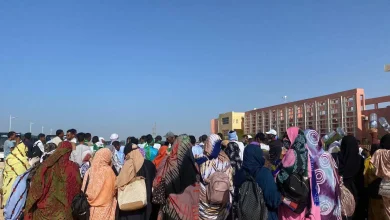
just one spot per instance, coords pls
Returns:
(296, 189)
(251, 204)
(218, 188)
(80, 205)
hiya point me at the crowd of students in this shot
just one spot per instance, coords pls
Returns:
(295, 176)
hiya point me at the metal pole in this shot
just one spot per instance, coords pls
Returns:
(51, 131)
(31, 123)
(10, 122)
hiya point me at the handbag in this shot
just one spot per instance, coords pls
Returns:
(133, 196)
(384, 188)
(347, 200)
(80, 205)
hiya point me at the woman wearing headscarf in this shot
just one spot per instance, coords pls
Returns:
(232, 150)
(159, 163)
(381, 162)
(254, 165)
(324, 178)
(17, 200)
(297, 151)
(150, 151)
(136, 166)
(45, 200)
(16, 164)
(180, 183)
(376, 209)
(214, 160)
(87, 155)
(101, 188)
(351, 168)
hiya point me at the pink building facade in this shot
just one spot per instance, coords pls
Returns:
(324, 113)
(214, 126)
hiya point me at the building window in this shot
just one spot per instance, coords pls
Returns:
(236, 121)
(225, 121)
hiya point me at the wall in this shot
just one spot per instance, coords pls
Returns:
(214, 126)
(380, 112)
(235, 122)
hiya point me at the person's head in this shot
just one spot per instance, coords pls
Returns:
(245, 139)
(374, 148)
(233, 136)
(260, 137)
(220, 135)
(250, 138)
(158, 139)
(142, 140)
(192, 140)
(203, 138)
(81, 137)
(253, 159)
(117, 145)
(42, 137)
(60, 134)
(88, 137)
(18, 139)
(95, 139)
(385, 142)
(170, 136)
(70, 134)
(271, 134)
(27, 136)
(11, 135)
(149, 139)
(134, 140)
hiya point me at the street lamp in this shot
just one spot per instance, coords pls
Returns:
(31, 123)
(10, 122)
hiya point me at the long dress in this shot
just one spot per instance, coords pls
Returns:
(148, 171)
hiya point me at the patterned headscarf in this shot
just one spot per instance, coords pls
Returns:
(297, 149)
(233, 152)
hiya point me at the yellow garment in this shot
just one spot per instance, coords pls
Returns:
(16, 164)
(369, 172)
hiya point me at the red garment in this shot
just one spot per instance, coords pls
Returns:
(56, 182)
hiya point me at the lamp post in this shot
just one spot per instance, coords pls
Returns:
(10, 122)
(31, 123)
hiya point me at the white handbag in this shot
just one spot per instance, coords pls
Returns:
(133, 196)
(384, 188)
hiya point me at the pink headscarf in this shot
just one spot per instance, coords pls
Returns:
(289, 158)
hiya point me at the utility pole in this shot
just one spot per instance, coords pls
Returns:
(10, 122)
(31, 123)
(154, 129)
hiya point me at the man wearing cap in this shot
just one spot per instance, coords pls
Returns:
(234, 138)
(273, 140)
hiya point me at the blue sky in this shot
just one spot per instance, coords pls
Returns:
(120, 66)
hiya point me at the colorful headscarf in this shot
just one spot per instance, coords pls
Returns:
(15, 164)
(325, 184)
(232, 150)
(180, 174)
(44, 200)
(159, 163)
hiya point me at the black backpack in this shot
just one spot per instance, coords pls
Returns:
(80, 205)
(251, 204)
(296, 188)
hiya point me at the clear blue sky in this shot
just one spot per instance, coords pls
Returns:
(120, 66)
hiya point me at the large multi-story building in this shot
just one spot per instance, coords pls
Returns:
(325, 113)
(227, 122)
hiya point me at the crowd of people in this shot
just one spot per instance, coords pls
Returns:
(293, 176)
